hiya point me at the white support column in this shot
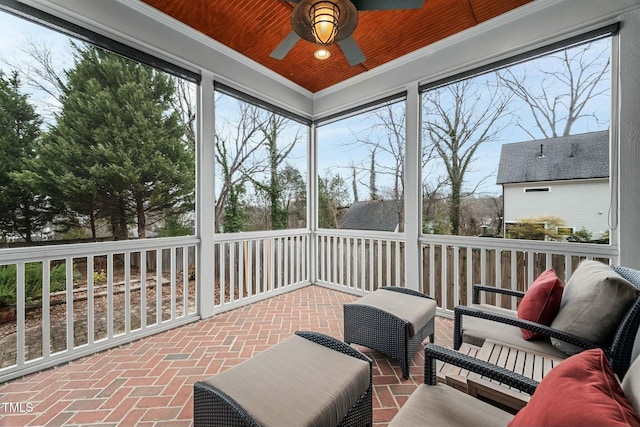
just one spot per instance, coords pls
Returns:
(628, 231)
(312, 202)
(205, 191)
(412, 189)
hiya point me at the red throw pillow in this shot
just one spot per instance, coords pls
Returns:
(541, 302)
(580, 391)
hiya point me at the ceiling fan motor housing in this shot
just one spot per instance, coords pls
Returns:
(301, 20)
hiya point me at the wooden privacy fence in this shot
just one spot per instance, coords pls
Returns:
(451, 266)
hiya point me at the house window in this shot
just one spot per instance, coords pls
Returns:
(537, 190)
(564, 231)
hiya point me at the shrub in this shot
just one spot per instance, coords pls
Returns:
(33, 281)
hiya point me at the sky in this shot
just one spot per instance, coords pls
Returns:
(336, 140)
(338, 148)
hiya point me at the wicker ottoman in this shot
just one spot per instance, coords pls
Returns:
(309, 379)
(392, 320)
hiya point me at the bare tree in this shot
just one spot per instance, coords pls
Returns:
(385, 141)
(458, 118)
(185, 103)
(251, 149)
(354, 181)
(571, 80)
(238, 145)
(278, 151)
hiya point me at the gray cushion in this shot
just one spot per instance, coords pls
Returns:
(594, 302)
(475, 331)
(442, 405)
(416, 311)
(296, 383)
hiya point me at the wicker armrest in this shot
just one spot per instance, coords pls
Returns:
(229, 410)
(462, 310)
(482, 288)
(405, 291)
(332, 343)
(434, 352)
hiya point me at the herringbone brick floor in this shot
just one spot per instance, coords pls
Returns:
(150, 382)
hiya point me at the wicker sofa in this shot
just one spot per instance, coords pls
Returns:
(473, 324)
(308, 379)
(582, 390)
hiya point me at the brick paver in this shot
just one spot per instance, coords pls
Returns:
(150, 381)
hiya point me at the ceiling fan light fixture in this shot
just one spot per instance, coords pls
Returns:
(324, 16)
(322, 54)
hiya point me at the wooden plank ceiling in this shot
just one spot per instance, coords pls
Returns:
(256, 27)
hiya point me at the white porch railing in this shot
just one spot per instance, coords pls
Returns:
(358, 261)
(104, 295)
(253, 266)
(108, 294)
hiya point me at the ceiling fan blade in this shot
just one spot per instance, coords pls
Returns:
(351, 51)
(387, 5)
(285, 46)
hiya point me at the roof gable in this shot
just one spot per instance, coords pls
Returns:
(579, 156)
(379, 215)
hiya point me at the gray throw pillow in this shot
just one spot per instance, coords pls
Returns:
(594, 302)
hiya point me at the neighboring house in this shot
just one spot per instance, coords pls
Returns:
(566, 177)
(382, 215)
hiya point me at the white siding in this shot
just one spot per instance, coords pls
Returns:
(581, 204)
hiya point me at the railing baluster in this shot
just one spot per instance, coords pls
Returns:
(110, 295)
(514, 277)
(90, 301)
(127, 292)
(20, 314)
(185, 281)
(159, 307)
(46, 310)
(143, 289)
(172, 281)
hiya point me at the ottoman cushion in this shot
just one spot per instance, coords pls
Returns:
(296, 382)
(416, 311)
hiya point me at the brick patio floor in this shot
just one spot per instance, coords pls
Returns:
(150, 382)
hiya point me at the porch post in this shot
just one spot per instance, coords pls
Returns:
(205, 197)
(628, 220)
(312, 202)
(412, 190)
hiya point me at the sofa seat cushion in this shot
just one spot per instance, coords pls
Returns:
(416, 311)
(296, 382)
(476, 330)
(541, 302)
(442, 405)
(581, 391)
(594, 302)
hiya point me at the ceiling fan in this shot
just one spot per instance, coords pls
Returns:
(328, 22)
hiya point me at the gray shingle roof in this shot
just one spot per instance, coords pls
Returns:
(379, 215)
(570, 157)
